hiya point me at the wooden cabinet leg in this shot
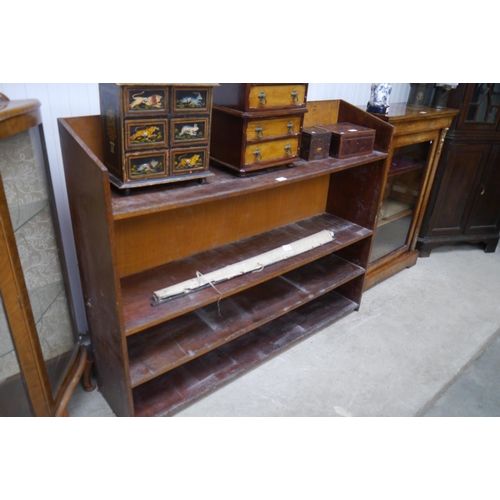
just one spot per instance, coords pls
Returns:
(491, 246)
(87, 384)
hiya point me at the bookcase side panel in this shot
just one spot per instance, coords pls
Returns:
(89, 201)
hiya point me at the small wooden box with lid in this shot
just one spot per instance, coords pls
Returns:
(257, 125)
(155, 133)
(350, 140)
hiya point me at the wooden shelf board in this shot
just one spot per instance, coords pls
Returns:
(176, 342)
(175, 389)
(225, 184)
(137, 289)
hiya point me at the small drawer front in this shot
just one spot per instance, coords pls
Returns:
(143, 134)
(141, 166)
(192, 100)
(272, 150)
(186, 161)
(262, 129)
(145, 100)
(277, 96)
(189, 131)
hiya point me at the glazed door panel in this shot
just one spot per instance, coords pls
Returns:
(485, 215)
(481, 107)
(466, 163)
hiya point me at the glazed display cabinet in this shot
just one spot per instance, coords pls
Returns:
(464, 205)
(37, 329)
(153, 360)
(419, 133)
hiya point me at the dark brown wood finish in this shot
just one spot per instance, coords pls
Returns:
(464, 205)
(90, 200)
(161, 349)
(217, 367)
(159, 358)
(137, 289)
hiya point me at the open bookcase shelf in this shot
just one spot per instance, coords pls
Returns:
(163, 347)
(137, 289)
(154, 360)
(177, 388)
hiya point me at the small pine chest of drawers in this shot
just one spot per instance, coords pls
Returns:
(257, 126)
(155, 134)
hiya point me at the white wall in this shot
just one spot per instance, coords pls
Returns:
(61, 100)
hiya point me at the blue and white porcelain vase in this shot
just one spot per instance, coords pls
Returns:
(379, 98)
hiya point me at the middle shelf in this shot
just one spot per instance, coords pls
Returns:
(137, 289)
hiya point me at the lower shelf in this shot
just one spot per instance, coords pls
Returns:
(177, 388)
(165, 347)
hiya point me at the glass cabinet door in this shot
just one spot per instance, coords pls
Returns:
(14, 401)
(27, 194)
(401, 195)
(481, 107)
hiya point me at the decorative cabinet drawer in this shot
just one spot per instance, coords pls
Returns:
(274, 127)
(246, 141)
(350, 140)
(271, 151)
(261, 96)
(142, 134)
(189, 131)
(146, 165)
(149, 130)
(188, 161)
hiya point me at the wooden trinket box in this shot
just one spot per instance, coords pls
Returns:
(315, 143)
(257, 126)
(350, 140)
(155, 134)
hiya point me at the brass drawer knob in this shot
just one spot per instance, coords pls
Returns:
(262, 98)
(295, 96)
(288, 149)
(290, 128)
(259, 131)
(257, 155)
